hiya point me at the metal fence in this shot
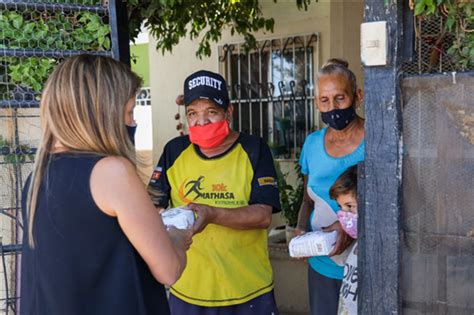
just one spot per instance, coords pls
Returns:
(34, 37)
(430, 51)
(144, 97)
(438, 143)
(437, 245)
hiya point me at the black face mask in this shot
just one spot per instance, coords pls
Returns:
(339, 118)
(131, 132)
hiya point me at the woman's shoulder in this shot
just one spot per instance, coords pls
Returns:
(319, 132)
(114, 167)
(113, 179)
(317, 135)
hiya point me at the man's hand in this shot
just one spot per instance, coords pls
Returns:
(343, 240)
(205, 215)
(179, 99)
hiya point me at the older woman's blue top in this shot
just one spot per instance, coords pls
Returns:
(322, 171)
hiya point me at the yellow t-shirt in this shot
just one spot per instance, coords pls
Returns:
(225, 266)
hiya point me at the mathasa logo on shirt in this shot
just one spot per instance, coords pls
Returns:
(192, 190)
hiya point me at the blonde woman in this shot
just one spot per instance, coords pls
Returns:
(93, 241)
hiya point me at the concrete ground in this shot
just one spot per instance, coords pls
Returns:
(290, 280)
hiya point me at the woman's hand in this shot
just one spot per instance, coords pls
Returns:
(181, 239)
(299, 231)
(343, 240)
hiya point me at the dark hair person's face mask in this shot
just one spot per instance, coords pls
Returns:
(131, 132)
(339, 118)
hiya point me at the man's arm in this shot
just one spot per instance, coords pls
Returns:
(264, 198)
(158, 187)
(256, 216)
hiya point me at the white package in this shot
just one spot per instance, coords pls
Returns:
(323, 215)
(315, 243)
(181, 217)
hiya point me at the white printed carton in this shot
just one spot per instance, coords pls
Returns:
(180, 217)
(315, 243)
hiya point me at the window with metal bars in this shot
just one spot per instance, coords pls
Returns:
(143, 97)
(272, 90)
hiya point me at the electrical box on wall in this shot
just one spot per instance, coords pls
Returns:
(373, 41)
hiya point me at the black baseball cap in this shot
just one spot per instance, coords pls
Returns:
(208, 85)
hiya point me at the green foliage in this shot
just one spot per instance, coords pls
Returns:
(47, 31)
(31, 72)
(290, 197)
(459, 19)
(15, 155)
(171, 20)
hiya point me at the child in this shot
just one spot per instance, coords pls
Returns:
(344, 191)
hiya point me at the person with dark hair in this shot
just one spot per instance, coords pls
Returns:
(345, 184)
(326, 154)
(344, 191)
(229, 180)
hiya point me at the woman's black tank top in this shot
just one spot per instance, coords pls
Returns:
(82, 262)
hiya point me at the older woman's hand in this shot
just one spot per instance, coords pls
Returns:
(343, 240)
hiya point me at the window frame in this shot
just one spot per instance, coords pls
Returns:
(272, 93)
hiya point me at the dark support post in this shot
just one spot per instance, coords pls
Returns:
(119, 30)
(379, 242)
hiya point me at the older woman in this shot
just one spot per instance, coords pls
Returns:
(326, 154)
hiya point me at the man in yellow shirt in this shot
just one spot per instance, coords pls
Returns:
(229, 180)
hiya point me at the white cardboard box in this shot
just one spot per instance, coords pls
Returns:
(315, 243)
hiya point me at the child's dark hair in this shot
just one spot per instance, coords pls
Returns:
(345, 184)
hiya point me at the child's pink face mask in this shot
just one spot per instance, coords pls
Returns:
(348, 222)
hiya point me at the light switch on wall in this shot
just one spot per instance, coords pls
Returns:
(373, 41)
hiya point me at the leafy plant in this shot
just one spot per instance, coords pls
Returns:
(459, 21)
(290, 197)
(47, 31)
(14, 155)
(171, 20)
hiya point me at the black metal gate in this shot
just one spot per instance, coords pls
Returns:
(34, 37)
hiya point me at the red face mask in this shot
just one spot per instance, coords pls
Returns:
(210, 135)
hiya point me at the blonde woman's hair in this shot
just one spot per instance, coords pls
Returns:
(82, 108)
